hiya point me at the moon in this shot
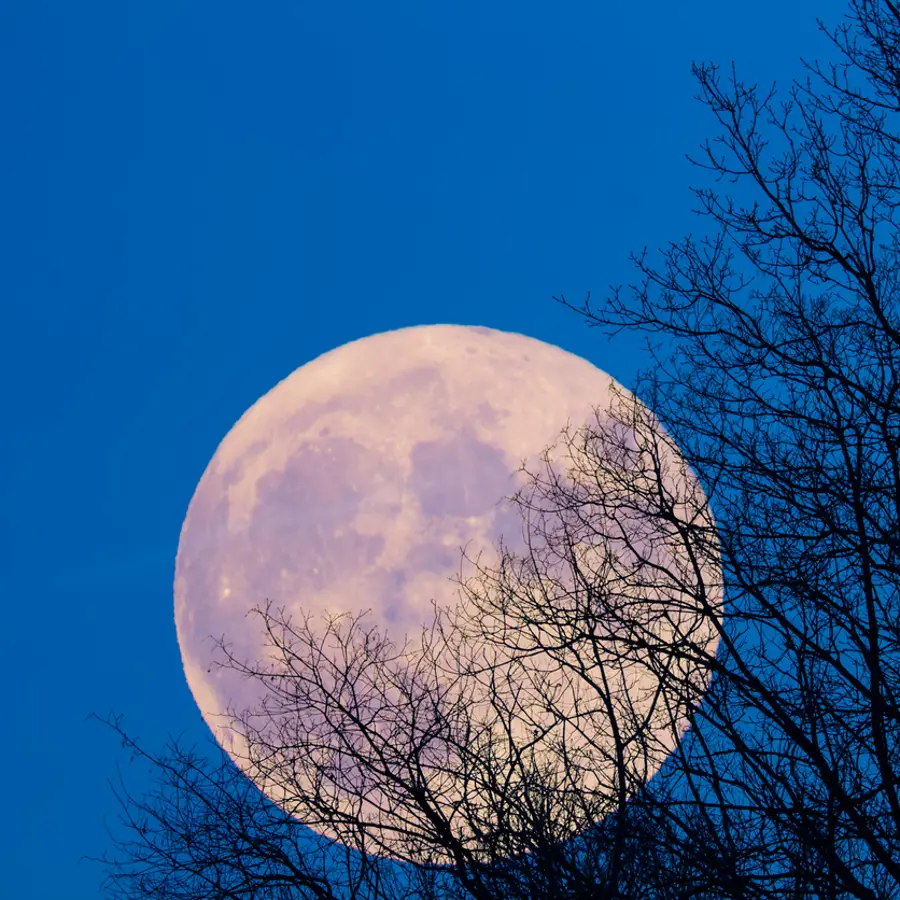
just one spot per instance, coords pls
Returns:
(354, 483)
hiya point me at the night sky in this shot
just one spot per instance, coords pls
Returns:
(196, 198)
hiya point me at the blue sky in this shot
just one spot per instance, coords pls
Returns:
(196, 198)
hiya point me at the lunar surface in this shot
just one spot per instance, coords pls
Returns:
(355, 482)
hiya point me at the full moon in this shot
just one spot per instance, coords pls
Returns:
(356, 481)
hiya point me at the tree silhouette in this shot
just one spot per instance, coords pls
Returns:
(505, 753)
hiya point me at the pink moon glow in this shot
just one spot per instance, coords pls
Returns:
(355, 481)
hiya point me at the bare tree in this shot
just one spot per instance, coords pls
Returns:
(780, 382)
(513, 750)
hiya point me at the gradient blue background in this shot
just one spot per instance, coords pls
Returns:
(196, 198)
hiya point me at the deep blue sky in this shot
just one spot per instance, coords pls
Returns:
(198, 197)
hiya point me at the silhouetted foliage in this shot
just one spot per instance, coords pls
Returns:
(775, 348)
